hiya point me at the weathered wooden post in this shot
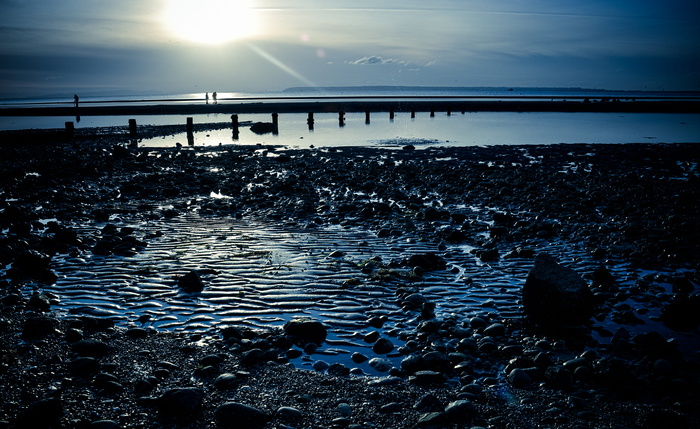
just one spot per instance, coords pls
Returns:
(449, 113)
(413, 114)
(366, 116)
(234, 126)
(391, 115)
(432, 113)
(310, 121)
(70, 129)
(190, 132)
(341, 119)
(275, 130)
(132, 128)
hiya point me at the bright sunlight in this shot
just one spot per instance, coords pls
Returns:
(210, 22)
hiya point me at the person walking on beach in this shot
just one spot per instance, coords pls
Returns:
(214, 97)
(75, 99)
(206, 98)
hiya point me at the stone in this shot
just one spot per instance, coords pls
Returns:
(38, 327)
(225, 381)
(191, 282)
(104, 424)
(263, 128)
(306, 329)
(45, 413)
(381, 365)
(683, 314)
(84, 366)
(383, 346)
(289, 414)
(519, 379)
(240, 416)
(181, 402)
(556, 294)
(91, 348)
(427, 377)
(495, 330)
(460, 411)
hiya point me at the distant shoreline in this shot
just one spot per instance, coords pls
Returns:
(361, 104)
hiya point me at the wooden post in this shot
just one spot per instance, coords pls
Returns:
(413, 114)
(310, 121)
(70, 129)
(234, 122)
(341, 119)
(432, 113)
(367, 114)
(274, 119)
(449, 113)
(391, 115)
(132, 128)
(190, 126)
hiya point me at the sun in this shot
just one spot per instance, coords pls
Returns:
(210, 22)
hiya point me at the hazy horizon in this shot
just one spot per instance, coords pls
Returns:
(180, 46)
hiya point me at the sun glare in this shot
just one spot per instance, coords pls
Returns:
(210, 22)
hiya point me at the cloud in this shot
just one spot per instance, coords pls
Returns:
(374, 60)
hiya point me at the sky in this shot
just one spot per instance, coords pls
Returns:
(102, 47)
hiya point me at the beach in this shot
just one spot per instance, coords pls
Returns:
(624, 216)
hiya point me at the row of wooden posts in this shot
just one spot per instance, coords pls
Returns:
(70, 127)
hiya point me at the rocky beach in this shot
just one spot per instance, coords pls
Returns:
(590, 318)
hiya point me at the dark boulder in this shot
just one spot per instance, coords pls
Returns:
(556, 294)
(237, 415)
(263, 128)
(181, 402)
(683, 314)
(191, 282)
(306, 329)
(45, 413)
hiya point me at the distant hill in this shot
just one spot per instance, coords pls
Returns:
(394, 89)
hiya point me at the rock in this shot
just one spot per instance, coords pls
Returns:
(381, 365)
(427, 261)
(289, 414)
(495, 330)
(84, 366)
(321, 365)
(38, 327)
(519, 379)
(40, 302)
(414, 301)
(427, 377)
(556, 294)
(383, 346)
(45, 413)
(358, 357)
(460, 411)
(489, 255)
(392, 407)
(558, 377)
(91, 348)
(240, 416)
(225, 381)
(263, 128)
(428, 403)
(434, 419)
(683, 314)
(306, 329)
(104, 424)
(181, 402)
(338, 370)
(191, 282)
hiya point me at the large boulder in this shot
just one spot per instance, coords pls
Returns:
(306, 330)
(556, 294)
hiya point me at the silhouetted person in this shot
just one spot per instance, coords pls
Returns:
(206, 97)
(214, 97)
(75, 98)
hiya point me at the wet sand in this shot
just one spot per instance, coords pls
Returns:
(633, 208)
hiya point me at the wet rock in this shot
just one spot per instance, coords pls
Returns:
(489, 255)
(91, 348)
(559, 377)
(427, 261)
(237, 415)
(263, 128)
(104, 424)
(556, 294)
(424, 378)
(306, 329)
(358, 357)
(289, 414)
(383, 346)
(414, 301)
(38, 327)
(683, 314)
(519, 378)
(428, 403)
(381, 365)
(338, 370)
(84, 366)
(495, 330)
(191, 282)
(40, 302)
(461, 411)
(434, 419)
(225, 381)
(181, 402)
(45, 413)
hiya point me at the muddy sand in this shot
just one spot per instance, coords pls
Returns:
(623, 218)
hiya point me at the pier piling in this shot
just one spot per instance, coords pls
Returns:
(310, 121)
(132, 128)
(367, 117)
(70, 129)
(341, 119)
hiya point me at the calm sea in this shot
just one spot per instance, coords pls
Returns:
(455, 129)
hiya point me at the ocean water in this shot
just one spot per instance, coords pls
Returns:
(456, 129)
